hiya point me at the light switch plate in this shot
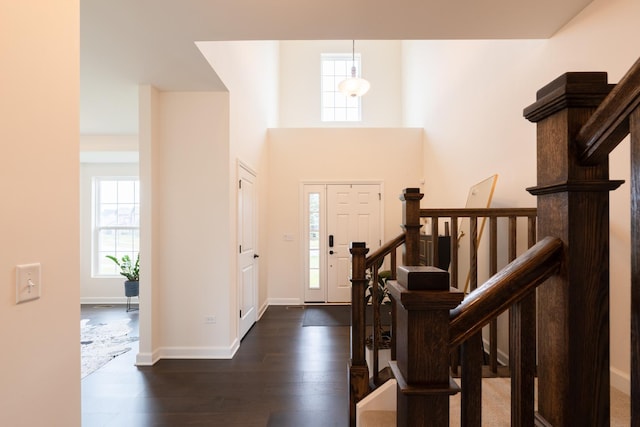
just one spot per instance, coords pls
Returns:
(28, 286)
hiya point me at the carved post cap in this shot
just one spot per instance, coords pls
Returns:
(425, 278)
(570, 90)
(411, 194)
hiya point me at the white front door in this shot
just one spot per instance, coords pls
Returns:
(337, 214)
(353, 215)
(247, 260)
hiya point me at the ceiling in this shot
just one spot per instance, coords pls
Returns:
(129, 42)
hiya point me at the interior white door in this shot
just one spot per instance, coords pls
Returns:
(248, 258)
(353, 215)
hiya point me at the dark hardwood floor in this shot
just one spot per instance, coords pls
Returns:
(283, 375)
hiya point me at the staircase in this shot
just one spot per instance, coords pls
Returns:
(496, 393)
(580, 118)
(379, 408)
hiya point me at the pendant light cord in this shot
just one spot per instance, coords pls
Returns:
(353, 59)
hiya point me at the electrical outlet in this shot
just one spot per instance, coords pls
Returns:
(210, 319)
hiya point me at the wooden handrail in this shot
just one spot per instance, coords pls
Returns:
(479, 212)
(373, 262)
(501, 291)
(609, 124)
(384, 250)
(476, 218)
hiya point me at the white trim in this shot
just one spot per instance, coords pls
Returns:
(302, 220)
(263, 308)
(285, 301)
(503, 358)
(105, 300)
(240, 165)
(96, 201)
(246, 166)
(342, 181)
(308, 294)
(147, 359)
(383, 399)
(351, 60)
(109, 157)
(191, 353)
(620, 381)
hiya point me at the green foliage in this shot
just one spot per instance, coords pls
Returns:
(128, 268)
(383, 292)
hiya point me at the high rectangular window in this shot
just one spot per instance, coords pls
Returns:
(335, 106)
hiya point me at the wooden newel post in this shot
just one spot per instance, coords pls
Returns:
(410, 198)
(358, 371)
(423, 299)
(573, 204)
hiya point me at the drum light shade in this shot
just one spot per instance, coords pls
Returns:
(354, 86)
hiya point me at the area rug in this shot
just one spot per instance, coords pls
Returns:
(338, 315)
(102, 342)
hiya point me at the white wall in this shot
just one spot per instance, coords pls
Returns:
(186, 177)
(193, 177)
(300, 82)
(391, 156)
(250, 72)
(149, 314)
(39, 181)
(469, 97)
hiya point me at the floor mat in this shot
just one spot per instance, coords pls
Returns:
(339, 315)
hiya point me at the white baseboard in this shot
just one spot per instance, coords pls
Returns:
(503, 358)
(147, 359)
(106, 300)
(262, 309)
(284, 301)
(619, 380)
(197, 352)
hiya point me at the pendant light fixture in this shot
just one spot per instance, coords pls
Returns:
(354, 86)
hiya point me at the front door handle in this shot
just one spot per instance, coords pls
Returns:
(256, 256)
(330, 240)
(330, 252)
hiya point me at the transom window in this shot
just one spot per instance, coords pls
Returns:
(116, 222)
(336, 107)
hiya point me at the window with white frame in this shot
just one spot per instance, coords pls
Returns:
(314, 240)
(335, 106)
(116, 222)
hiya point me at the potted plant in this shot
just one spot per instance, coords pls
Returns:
(383, 300)
(381, 336)
(131, 271)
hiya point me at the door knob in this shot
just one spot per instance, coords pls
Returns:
(256, 256)
(330, 252)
